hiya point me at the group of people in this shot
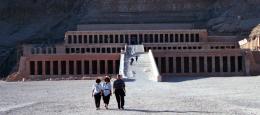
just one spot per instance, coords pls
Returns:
(105, 90)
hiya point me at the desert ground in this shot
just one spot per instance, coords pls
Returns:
(180, 95)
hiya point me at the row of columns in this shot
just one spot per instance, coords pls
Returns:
(34, 68)
(43, 50)
(126, 38)
(95, 50)
(198, 70)
(173, 48)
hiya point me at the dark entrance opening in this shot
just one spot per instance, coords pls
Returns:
(240, 63)
(102, 66)
(186, 65)
(32, 67)
(225, 64)
(133, 39)
(201, 64)
(194, 64)
(178, 65)
(217, 64)
(110, 66)
(170, 64)
(232, 64)
(163, 65)
(209, 63)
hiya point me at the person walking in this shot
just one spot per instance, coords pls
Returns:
(136, 58)
(119, 90)
(131, 61)
(106, 91)
(97, 92)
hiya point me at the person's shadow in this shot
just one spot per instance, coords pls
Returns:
(165, 111)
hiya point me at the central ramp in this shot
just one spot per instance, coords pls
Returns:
(135, 63)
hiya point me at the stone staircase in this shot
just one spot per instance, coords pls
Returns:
(142, 68)
(132, 50)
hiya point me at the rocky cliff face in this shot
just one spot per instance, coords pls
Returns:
(47, 20)
(255, 32)
(43, 19)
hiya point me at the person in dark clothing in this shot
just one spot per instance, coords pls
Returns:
(131, 61)
(97, 92)
(136, 58)
(119, 90)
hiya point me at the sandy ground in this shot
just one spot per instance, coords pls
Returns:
(196, 96)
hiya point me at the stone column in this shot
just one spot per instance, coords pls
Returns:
(75, 67)
(167, 64)
(221, 64)
(98, 38)
(178, 34)
(67, 67)
(163, 39)
(87, 39)
(51, 67)
(236, 64)
(213, 64)
(174, 64)
(98, 66)
(36, 67)
(114, 37)
(59, 67)
(114, 66)
(182, 64)
(198, 64)
(190, 64)
(43, 69)
(82, 68)
(205, 64)
(106, 66)
(90, 67)
(228, 63)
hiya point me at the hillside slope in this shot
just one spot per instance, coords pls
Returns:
(43, 19)
(38, 21)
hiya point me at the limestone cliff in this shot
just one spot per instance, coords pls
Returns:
(255, 31)
(47, 20)
(44, 19)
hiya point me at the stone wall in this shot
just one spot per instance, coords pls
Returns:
(140, 11)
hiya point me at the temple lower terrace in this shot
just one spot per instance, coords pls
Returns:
(95, 50)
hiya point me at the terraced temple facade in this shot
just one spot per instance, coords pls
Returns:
(105, 49)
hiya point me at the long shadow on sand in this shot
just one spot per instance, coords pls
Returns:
(129, 80)
(180, 78)
(166, 111)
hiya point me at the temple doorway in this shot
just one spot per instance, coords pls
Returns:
(133, 39)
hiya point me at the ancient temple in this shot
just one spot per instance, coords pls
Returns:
(95, 50)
